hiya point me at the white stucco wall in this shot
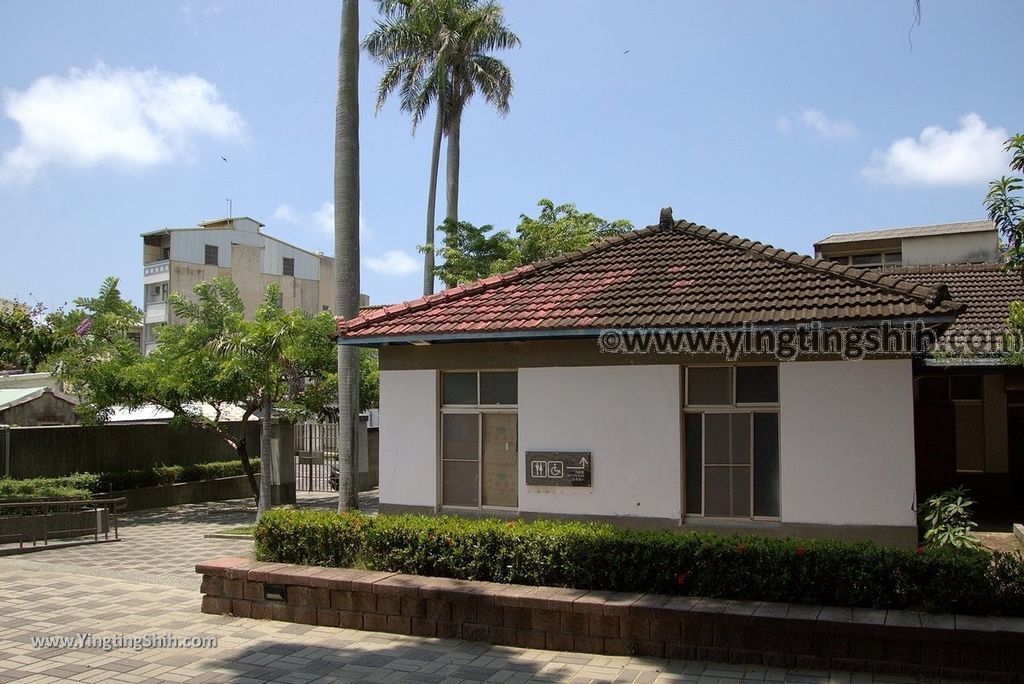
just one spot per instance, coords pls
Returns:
(951, 249)
(626, 416)
(408, 437)
(847, 437)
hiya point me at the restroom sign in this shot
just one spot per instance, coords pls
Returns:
(559, 468)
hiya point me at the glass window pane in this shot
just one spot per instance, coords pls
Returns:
(970, 437)
(740, 491)
(893, 258)
(500, 460)
(757, 384)
(867, 259)
(459, 485)
(460, 435)
(458, 388)
(717, 491)
(499, 388)
(709, 386)
(965, 387)
(716, 438)
(694, 439)
(766, 464)
(740, 447)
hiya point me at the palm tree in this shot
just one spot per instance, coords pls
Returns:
(434, 55)
(346, 244)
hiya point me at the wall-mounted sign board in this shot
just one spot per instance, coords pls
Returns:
(559, 468)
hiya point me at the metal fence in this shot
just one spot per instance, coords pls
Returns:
(316, 452)
(41, 522)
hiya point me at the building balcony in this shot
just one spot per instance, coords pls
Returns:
(156, 272)
(156, 312)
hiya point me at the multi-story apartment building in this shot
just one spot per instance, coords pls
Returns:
(176, 259)
(935, 245)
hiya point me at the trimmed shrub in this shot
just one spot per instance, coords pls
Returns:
(596, 556)
(87, 485)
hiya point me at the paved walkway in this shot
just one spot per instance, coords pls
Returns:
(145, 586)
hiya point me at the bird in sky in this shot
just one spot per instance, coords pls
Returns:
(224, 158)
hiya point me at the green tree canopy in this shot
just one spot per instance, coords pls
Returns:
(472, 252)
(1005, 205)
(280, 359)
(27, 337)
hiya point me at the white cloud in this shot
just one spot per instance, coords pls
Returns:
(393, 262)
(970, 154)
(816, 120)
(104, 115)
(286, 213)
(323, 220)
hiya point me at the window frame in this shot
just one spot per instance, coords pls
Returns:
(735, 408)
(285, 261)
(206, 255)
(479, 410)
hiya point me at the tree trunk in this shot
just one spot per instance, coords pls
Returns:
(435, 162)
(243, 455)
(454, 128)
(265, 499)
(346, 243)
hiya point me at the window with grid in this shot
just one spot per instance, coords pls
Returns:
(731, 435)
(288, 266)
(479, 439)
(211, 255)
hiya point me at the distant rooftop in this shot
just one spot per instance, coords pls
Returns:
(909, 232)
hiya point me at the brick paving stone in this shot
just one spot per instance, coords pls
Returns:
(146, 584)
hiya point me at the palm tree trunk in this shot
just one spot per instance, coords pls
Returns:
(435, 162)
(454, 128)
(346, 244)
(266, 459)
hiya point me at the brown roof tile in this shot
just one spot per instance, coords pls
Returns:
(668, 275)
(985, 289)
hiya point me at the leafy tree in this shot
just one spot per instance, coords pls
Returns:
(472, 252)
(346, 246)
(1005, 206)
(435, 53)
(27, 338)
(97, 351)
(369, 379)
(279, 359)
(562, 228)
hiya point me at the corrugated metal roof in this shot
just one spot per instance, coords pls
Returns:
(13, 397)
(909, 232)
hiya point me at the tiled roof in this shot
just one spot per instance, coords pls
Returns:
(909, 232)
(985, 289)
(673, 275)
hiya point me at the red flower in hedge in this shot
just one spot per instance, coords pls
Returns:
(741, 547)
(682, 577)
(920, 550)
(800, 551)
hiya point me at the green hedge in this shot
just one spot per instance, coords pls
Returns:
(595, 556)
(86, 485)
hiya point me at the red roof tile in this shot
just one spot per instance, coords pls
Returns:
(669, 275)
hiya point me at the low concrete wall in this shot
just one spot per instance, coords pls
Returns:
(775, 634)
(220, 489)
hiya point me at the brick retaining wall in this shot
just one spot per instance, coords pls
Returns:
(774, 634)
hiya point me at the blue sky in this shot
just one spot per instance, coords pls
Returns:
(781, 121)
